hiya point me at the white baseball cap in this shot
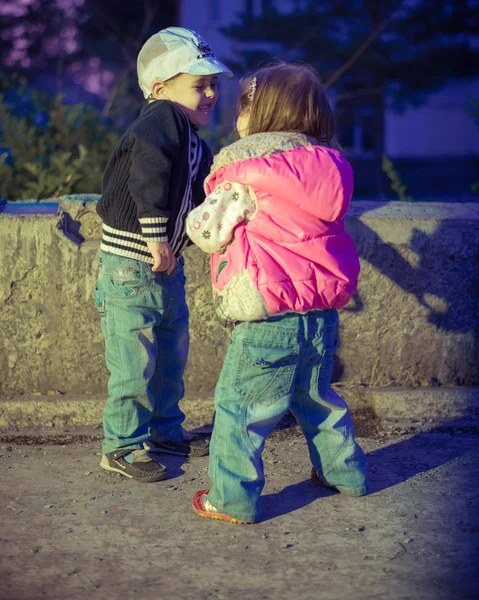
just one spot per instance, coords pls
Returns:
(172, 51)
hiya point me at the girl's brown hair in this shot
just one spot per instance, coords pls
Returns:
(287, 97)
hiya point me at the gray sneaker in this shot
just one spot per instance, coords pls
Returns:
(143, 468)
(192, 448)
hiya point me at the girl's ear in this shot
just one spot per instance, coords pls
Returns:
(158, 91)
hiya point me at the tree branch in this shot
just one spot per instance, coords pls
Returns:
(362, 48)
(364, 92)
(150, 8)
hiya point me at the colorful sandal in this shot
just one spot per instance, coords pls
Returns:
(199, 509)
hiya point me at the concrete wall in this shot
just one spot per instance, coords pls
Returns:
(413, 322)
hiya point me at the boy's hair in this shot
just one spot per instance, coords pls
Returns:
(287, 97)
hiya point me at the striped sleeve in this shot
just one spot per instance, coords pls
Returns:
(153, 229)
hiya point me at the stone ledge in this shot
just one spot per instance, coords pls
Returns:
(77, 411)
(430, 211)
(75, 205)
(388, 405)
(413, 321)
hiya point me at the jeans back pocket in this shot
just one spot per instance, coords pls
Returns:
(128, 278)
(266, 371)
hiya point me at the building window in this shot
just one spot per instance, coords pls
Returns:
(356, 131)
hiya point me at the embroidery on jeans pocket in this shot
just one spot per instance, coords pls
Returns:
(128, 280)
(125, 273)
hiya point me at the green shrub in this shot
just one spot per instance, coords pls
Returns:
(218, 136)
(49, 148)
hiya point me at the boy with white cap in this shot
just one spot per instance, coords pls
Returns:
(153, 179)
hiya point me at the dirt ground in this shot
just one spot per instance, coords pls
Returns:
(71, 531)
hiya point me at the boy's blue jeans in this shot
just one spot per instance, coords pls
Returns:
(144, 320)
(282, 363)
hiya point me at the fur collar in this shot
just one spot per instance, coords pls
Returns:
(260, 144)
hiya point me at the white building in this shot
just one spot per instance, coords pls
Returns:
(441, 127)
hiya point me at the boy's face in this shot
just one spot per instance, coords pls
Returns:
(195, 94)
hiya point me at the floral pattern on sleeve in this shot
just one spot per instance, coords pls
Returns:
(210, 225)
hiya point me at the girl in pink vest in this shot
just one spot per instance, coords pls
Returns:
(281, 265)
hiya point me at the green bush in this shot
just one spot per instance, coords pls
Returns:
(219, 135)
(49, 148)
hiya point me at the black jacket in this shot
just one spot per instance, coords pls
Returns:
(153, 178)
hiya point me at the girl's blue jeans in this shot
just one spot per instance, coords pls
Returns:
(282, 363)
(144, 320)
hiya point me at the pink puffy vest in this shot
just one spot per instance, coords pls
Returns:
(295, 249)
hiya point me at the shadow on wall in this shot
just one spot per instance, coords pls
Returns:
(436, 290)
(439, 267)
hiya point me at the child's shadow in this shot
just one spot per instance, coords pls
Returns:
(388, 466)
(291, 498)
(174, 463)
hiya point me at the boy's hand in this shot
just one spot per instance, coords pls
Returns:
(163, 256)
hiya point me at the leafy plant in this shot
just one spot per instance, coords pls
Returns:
(218, 136)
(396, 183)
(49, 148)
(65, 170)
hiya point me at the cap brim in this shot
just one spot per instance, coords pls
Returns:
(208, 66)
